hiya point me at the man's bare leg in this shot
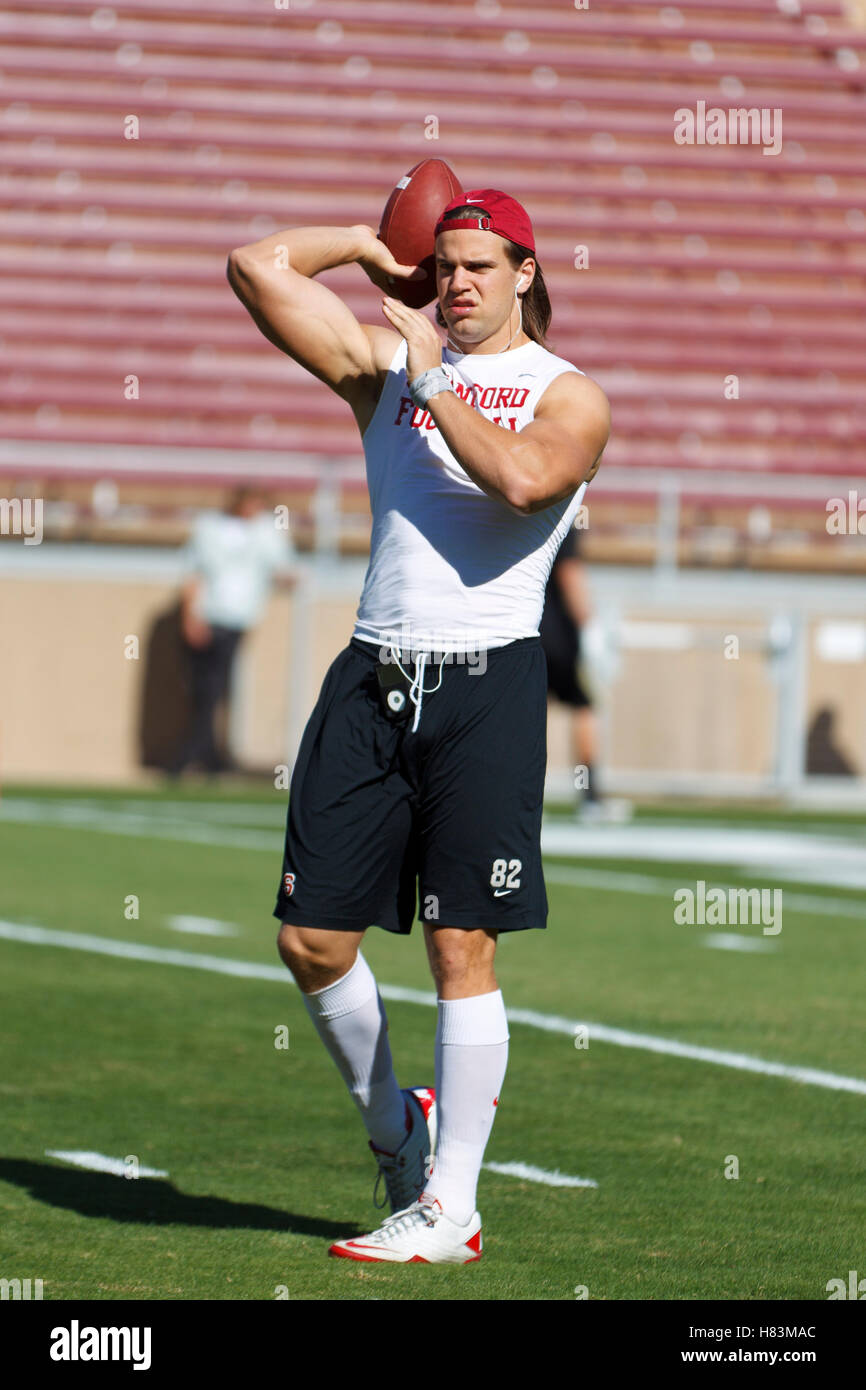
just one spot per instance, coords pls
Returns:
(317, 958)
(461, 960)
(584, 735)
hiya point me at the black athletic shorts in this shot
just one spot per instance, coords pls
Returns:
(446, 820)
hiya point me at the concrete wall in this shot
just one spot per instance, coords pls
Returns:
(72, 678)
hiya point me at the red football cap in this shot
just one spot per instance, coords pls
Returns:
(497, 212)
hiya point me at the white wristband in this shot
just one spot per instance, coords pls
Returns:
(428, 384)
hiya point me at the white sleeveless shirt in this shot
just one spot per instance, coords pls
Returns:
(452, 569)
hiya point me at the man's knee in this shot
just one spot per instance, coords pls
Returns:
(317, 958)
(462, 960)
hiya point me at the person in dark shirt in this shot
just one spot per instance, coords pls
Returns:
(566, 612)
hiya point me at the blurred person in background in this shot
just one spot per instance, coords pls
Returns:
(567, 612)
(232, 559)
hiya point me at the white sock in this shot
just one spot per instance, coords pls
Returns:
(471, 1056)
(350, 1019)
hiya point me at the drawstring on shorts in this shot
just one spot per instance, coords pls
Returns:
(417, 689)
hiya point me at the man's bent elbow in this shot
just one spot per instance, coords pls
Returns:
(518, 497)
(237, 267)
(527, 496)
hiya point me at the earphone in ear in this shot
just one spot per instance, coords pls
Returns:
(521, 282)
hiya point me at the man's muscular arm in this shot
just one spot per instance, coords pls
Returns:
(273, 279)
(529, 469)
(543, 463)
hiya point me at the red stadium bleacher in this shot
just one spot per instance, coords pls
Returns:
(704, 262)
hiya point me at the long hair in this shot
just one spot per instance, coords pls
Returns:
(537, 312)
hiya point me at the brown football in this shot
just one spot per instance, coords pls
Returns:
(410, 215)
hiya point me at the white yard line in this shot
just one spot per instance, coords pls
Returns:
(73, 815)
(531, 1174)
(666, 887)
(101, 1163)
(732, 941)
(547, 1023)
(131, 950)
(120, 1168)
(201, 926)
(819, 859)
(809, 858)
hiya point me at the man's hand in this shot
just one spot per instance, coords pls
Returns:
(196, 631)
(425, 345)
(378, 264)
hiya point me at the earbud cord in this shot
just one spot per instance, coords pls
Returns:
(519, 329)
(417, 690)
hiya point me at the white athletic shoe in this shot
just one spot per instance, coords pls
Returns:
(420, 1235)
(406, 1171)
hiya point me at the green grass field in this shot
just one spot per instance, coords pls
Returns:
(265, 1155)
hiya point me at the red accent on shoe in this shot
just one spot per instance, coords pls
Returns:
(353, 1255)
(426, 1098)
(391, 1153)
(496, 1101)
(474, 1243)
(417, 1260)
